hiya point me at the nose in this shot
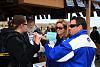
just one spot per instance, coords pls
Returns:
(69, 28)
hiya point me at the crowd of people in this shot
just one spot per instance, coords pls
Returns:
(73, 46)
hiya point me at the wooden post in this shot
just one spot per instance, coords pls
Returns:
(88, 14)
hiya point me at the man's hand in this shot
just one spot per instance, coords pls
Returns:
(37, 37)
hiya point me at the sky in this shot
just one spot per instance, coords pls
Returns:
(94, 21)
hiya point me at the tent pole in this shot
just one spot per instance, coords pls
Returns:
(88, 14)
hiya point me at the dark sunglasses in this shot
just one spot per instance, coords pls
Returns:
(74, 25)
(25, 24)
(60, 28)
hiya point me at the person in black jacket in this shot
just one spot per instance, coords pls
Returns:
(21, 51)
(94, 35)
(31, 29)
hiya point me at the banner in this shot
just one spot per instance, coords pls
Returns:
(70, 3)
(96, 5)
(80, 3)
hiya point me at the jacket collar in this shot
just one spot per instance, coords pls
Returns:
(79, 33)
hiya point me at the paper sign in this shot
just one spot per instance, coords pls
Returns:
(51, 36)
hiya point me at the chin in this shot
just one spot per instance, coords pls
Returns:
(59, 33)
(70, 33)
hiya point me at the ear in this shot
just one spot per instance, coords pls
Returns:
(80, 27)
(21, 25)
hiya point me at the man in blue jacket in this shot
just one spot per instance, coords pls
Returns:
(77, 51)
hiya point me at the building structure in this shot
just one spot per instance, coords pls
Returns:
(55, 8)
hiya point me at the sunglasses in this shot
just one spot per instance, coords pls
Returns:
(74, 25)
(60, 28)
(25, 24)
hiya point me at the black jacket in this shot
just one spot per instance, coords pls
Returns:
(21, 50)
(95, 36)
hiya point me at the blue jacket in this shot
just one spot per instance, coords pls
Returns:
(77, 51)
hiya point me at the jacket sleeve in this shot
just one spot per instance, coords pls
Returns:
(60, 53)
(35, 48)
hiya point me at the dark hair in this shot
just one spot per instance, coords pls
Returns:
(73, 17)
(30, 20)
(81, 21)
(18, 20)
(94, 27)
